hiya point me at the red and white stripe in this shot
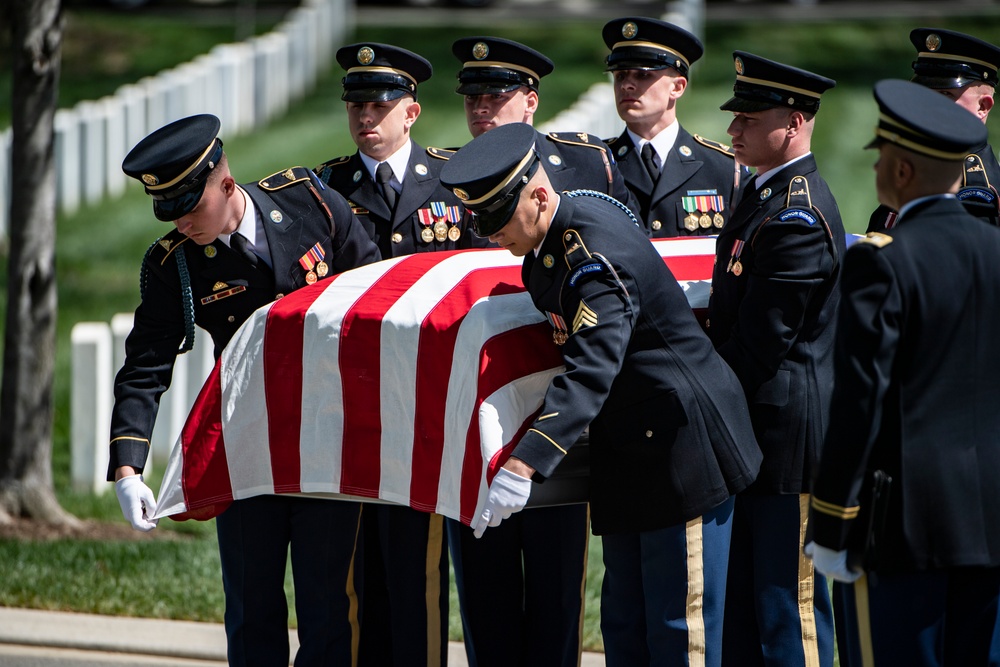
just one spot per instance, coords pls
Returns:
(407, 380)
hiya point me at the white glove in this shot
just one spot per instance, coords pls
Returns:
(137, 502)
(831, 563)
(508, 494)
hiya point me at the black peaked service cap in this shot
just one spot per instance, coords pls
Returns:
(174, 163)
(920, 120)
(489, 172)
(643, 43)
(493, 65)
(949, 59)
(380, 72)
(763, 84)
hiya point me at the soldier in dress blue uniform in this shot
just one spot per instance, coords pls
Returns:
(685, 185)
(771, 317)
(392, 183)
(237, 248)
(542, 552)
(916, 398)
(964, 69)
(670, 431)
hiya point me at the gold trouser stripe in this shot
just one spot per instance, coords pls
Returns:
(807, 579)
(583, 587)
(863, 618)
(697, 642)
(352, 596)
(435, 543)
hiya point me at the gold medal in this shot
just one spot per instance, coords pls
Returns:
(310, 278)
(559, 336)
(454, 233)
(322, 269)
(426, 235)
(705, 221)
(440, 231)
(691, 222)
(718, 220)
(737, 268)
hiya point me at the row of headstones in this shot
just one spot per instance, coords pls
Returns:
(246, 85)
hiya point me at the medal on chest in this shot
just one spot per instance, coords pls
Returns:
(735, 266)
(559, 332)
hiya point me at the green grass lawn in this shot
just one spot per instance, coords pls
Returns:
(99, 248)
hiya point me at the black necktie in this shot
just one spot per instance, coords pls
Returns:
(384, 174)
(242, 246)
(648, 154)
(750, 187)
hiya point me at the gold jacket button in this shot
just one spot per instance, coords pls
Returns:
(708, 323)
(649, 434)
(278, 295)
(231, 318)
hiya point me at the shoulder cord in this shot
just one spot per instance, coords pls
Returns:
(187, 300)
(601, 195)
(186, 295)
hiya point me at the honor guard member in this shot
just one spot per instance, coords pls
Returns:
(771, 317)
(237, 248)
(684, 184)
(392, 183)
(916, 408)
(670, 433)
(542, 552)
(963, 69)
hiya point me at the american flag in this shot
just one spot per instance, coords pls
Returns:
(409, 381)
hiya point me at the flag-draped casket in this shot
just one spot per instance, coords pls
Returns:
(408, 381)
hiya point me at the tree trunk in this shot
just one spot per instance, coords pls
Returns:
(26, 396)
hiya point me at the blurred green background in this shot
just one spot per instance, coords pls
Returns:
(99, 248)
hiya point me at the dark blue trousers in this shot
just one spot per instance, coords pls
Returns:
(938, 618)
(520, 587)
(404, 618)
(254, 539)
(664, 591)
(778, 609)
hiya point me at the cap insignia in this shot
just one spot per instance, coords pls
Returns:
(555, 160)
(933, 42)
(461, 194)
(480, 50)
(149, 179)
(420, 169)
(739, 66)
(210, 251)
(630, 30)
(366, 55)
(685, 151)
(276, 216)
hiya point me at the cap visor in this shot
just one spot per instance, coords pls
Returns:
(175, 208)
(485, 88)
(487, 224)
(648, 65)
(738, 104)
(944, 82)
(373, 94)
